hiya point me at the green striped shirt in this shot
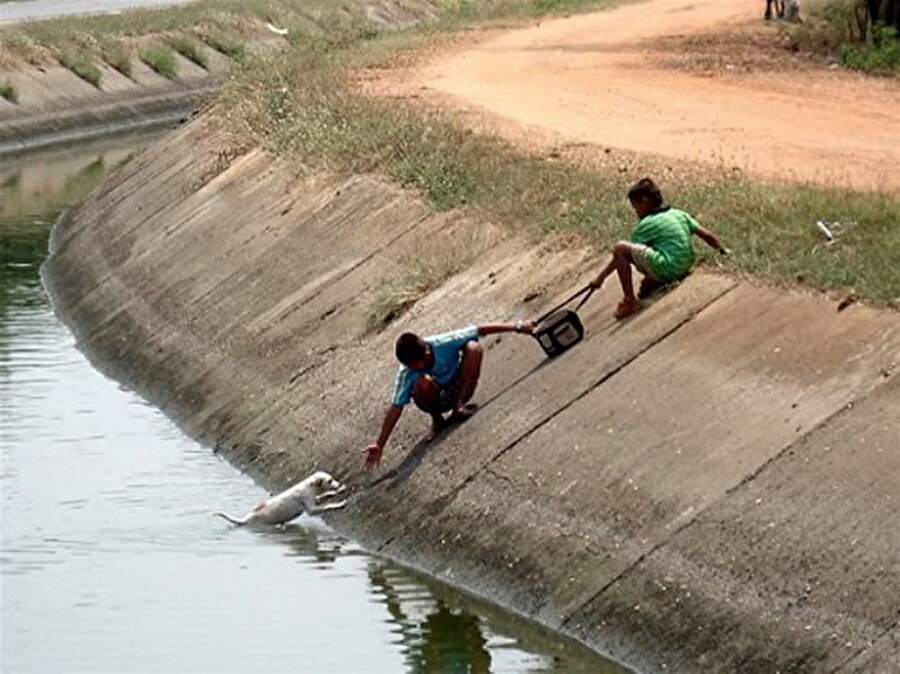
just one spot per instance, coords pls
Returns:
(667, 232)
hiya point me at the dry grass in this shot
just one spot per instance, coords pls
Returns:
(434, 261)
(190, 49)
(118, 55)
(82, 65)
(301, 104)
(224, 44)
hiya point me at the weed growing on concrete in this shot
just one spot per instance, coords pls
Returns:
(83, 66)
(231, 47)
(18, 48)
(9, 92)
(161, 60)
(118, 56)
(190, 49)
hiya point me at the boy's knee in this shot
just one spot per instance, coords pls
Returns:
(622, 248)
(473, 349)
(425, 387)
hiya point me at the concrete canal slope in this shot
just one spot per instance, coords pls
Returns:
(713, 485)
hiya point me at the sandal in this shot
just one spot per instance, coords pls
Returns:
(627, 308)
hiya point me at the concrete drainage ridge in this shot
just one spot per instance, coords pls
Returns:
(711, 486)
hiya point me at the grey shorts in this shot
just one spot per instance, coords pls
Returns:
(640, 256)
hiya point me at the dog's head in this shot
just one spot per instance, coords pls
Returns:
(325, 482)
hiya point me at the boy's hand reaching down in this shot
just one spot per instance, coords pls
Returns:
(373, 455)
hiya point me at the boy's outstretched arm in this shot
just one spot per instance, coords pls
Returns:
(710, 239)
(374, 451)
(526, 327)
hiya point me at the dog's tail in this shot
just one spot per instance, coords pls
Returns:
(233, 520)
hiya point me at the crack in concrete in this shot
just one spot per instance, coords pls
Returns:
(609, 375)
(864, 649)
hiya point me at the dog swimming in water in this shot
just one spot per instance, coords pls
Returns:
(307, 496)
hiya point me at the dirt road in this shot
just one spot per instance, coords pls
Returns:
(597, 79)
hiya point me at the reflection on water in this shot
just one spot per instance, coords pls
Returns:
(110, 559)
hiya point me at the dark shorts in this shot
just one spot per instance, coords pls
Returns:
(449, 394)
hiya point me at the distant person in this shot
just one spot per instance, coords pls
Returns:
(660, 247)
(439, 374)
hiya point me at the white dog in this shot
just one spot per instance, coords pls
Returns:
(305, 496)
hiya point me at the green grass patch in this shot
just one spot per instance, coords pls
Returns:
(190, 48)
(9, 92)
(842, 31)
(161, 60)
(119, 57)
(881, 56)
(225, 44)
(298, 104)
(82, 65)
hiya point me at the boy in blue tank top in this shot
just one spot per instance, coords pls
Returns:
(439, 374)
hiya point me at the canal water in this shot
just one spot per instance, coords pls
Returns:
(110, 559)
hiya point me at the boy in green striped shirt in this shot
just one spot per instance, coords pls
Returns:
(660, 247)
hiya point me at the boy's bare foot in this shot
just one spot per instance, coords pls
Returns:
(627, 307)
(463, 413)
(438, 423)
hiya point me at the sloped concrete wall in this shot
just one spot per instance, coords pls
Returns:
(710, 486)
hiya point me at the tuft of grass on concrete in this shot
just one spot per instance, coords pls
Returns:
(82, 65)
(9, 92)
(161, 60)
(224, 44)
(301, 104)
(190, 49)
(16, 48)
(118, 56)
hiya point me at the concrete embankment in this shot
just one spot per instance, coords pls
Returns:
(56, 106)
(713, 485)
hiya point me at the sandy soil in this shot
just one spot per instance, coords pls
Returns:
(644, 78)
